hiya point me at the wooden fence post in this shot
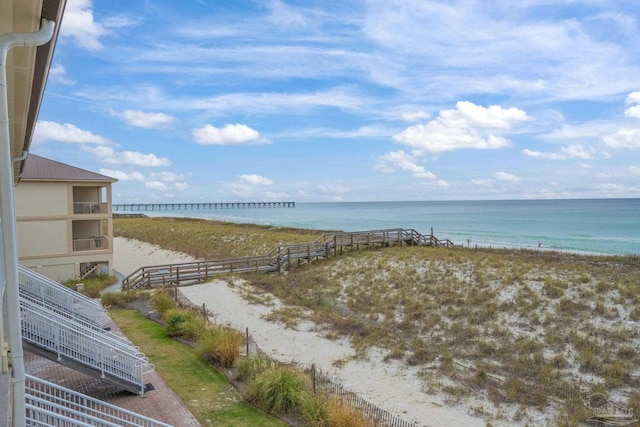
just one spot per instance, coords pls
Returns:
(313, 377)
(247, 340)
(204, 311)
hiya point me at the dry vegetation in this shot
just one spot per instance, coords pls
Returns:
(210, 239)
(531, 330)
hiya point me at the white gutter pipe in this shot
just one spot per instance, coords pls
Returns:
(8, 219)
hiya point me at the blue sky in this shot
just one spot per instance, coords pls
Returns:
(366, 100)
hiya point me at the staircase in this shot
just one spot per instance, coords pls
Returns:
(63, 325)
(54, 295)
(90, 270)
(48, 404)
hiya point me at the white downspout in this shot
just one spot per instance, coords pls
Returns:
(8, 218)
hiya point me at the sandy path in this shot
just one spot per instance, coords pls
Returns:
(389, 385)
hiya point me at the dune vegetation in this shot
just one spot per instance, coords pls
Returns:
(510, 333)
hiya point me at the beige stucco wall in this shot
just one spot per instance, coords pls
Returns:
(37, 199)
(47, 225)
(37, 238)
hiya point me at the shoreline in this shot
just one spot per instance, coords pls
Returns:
(529, 243)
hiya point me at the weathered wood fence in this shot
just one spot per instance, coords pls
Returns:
(276, 260)
(321, 383)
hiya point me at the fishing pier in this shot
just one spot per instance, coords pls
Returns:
(144, 207)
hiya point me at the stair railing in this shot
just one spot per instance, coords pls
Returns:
(49, 404)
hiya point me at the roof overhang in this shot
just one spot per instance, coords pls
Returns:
(27, 68)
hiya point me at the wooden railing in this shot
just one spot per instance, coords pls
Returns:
(277, 260)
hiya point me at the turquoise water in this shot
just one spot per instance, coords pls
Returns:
(604, 226)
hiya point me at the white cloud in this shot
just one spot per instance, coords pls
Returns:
(167, 176)
(633, 112)
(156, 185)
(109, 155)
(79, 24)
(123, 176)
(52, 131)
(254, 179)
(276, 196)
(415, 116)
(592, 130)
(401, 160)
(227, 135)
(58, 73)
(487, 183)
(634, 170)
(633, 98)
(334, 189)
(246, 184)
(170, 179)
(624, 138)
(143, 119)
(574, 151)
(616, 188)
(505, 176)
(467, 126)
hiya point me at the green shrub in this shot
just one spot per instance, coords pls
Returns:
(118, 299)
(248, 368)
(93, 286)
(162, 302)
(315, 411)
(279, 391)
(184, 323)
(221, 344)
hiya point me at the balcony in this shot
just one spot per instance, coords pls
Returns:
(91, 244)
(89, 208)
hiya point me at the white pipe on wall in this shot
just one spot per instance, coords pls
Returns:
(8, 219)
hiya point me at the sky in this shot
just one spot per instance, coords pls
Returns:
(351, 100)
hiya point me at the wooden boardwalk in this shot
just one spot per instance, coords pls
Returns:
(143, 207)
(277, 260)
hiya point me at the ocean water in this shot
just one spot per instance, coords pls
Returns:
(600, 226)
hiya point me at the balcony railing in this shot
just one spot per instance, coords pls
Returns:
(91, 244)
(89, 207)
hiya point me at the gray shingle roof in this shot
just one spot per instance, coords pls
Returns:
(38, 168)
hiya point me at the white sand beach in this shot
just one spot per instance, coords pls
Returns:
(387, 384)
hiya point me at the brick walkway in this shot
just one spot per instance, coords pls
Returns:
(160, 403)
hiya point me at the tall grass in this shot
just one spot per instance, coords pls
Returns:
(221, 344)
(449, 309)
(93, 286)
(280, 391)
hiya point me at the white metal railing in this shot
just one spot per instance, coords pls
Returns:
(85, 347)
(91, 244)
(60, 297)
(48, 404)
(78, 324)
(89, 207)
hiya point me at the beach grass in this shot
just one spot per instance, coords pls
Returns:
(92, 286)
(206, 391)
(538, 330)
(204, 239)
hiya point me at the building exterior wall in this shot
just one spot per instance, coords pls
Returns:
(64, 228)
(33, 199)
